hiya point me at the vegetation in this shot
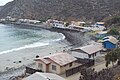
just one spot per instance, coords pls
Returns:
(83, 10)
(113, 31)
(67, 24)
(105, 74)
(44, 19)
(112, 56)
(113, 21)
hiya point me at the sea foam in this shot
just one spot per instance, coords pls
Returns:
(37, 44)
(34, 45)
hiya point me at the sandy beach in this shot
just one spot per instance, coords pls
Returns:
(11, 65)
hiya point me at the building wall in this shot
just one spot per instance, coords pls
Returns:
(57, 71)
(62, 69)
(109, 45)
(43, 66)
(66, 67)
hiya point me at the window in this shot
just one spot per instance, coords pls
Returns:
(70, 64)
(40, 65)
(53, 67)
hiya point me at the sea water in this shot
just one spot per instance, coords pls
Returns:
(14, 39)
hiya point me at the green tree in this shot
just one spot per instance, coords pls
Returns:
(112, 56)
(107, 58)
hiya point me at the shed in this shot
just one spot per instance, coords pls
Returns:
(101, 34)
(100, 23)
(90, 50)
(110, 42)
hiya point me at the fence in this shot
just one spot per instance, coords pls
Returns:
(31, 70)
(73, 70)
(84, 62)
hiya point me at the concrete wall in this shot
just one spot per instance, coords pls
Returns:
(43, 66)
(58, 71)
(66, 67)
(109, 45)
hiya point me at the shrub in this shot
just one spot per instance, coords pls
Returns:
(113, 31)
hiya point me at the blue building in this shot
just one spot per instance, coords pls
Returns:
(110, 42)
(100, 23)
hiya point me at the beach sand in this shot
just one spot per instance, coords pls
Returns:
(18, 60)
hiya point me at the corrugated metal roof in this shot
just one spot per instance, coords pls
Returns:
(100, 22)
(90, 49)
(102, 32)
(111, 39)
(62, 58)
(43, 76)
(59, 58)
(43, 60)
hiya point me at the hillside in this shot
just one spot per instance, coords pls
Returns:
(1, 8)
(62, 9)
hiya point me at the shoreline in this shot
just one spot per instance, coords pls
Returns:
(74, 38)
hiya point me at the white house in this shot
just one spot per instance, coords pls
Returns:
(29, 21)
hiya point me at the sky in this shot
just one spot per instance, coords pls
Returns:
(3, 2)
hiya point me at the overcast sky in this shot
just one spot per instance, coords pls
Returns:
(3, 2)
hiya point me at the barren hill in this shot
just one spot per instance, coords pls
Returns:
(62, 9)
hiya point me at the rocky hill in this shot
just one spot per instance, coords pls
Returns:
(1, 8)
(62, 9)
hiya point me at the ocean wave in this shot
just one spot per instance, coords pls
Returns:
(59, 39)
(34, 45)
(37, 44)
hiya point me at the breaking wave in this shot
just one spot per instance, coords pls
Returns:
(34, 45)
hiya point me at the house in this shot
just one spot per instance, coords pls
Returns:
(78, 23)
(55, 23)
(88, 51)
(58, 24)
(100, 23)
(94, 28)
(43, 76)
(110, 42)
(29, 21)
(9, 18)
(101, 34)
(23, 20)
(2, 20)
(56, 63)
(98, 26)
(34, 21)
